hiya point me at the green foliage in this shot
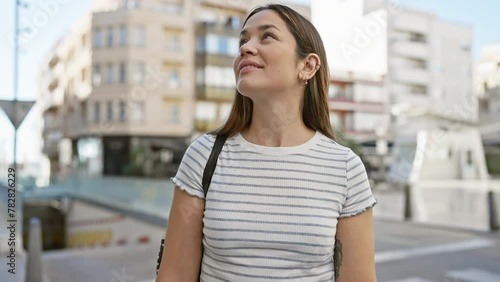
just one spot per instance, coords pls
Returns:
(493, 162)
(132, 169)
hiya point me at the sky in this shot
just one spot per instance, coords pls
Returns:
(49, 20)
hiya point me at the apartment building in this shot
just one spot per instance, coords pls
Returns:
(357, 105)
(426, 62)
(133, 82)
(487, 84)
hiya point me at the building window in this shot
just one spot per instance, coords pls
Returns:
(171, 8)
(418, 89)
(109, 111)
(201, 44)
(109, 74)
(122, 111)
(109, 37)
(85, 40)
(138, 76)
(174, 43)
(212, 44)
(222, 48)
(138, 111)
(96, 75)
(97, 112)
(132, 4)
(233, 46)
(123, 72)
(417, 37)
(139, 36)
(123, 35)
(200, 76)
(85, 74)
(173, 79)
(97, 38)
(174, 113)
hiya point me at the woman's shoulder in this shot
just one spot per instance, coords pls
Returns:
(201, 145)
(332, 146)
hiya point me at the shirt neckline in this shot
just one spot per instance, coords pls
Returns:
(278, 151)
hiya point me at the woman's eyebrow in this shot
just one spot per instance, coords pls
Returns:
(261, 28)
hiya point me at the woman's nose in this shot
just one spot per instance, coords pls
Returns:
(248, 48)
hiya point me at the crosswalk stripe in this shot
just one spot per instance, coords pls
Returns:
(473, 274)
(412, 279)
(388, 256)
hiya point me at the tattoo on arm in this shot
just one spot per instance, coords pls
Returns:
(337, 257)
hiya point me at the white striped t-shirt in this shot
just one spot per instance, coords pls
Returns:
(271, 212)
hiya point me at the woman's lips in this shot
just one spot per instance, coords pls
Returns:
(248, 69)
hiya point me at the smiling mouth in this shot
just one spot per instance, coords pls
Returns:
(248, 69)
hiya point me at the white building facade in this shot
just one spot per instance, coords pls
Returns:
(427, 63)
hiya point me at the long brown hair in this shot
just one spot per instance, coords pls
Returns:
(315, 113)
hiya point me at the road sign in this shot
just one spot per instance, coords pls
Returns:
(22, 109)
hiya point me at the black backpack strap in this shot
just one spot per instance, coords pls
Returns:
(212, 162)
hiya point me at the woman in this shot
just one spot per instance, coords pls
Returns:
(284, 193)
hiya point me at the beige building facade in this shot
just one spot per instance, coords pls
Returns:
(133, 82)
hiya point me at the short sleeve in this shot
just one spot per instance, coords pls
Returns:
(190, 173)
(359, 196)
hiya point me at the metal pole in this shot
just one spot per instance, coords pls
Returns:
(16, 62)
(34, 267)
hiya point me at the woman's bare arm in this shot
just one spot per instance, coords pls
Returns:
(354, 252)
(181, 258)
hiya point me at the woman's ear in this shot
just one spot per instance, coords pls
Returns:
(310, 64)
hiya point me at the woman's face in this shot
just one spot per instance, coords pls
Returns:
(270, 50)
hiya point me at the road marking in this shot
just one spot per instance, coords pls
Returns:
(412, 279)
(388, 256)
(473, 274)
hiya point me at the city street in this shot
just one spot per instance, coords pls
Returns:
(408, 252)
(405, 252)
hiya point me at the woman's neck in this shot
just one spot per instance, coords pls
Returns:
(277, 126)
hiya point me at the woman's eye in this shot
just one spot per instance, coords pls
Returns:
(267, 34)
(242, 41)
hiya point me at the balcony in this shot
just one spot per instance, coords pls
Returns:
(53, 84)
(411, 49)
(217, 28)
(219, 94)
(411, 75)
(53, 61)
(204, 126)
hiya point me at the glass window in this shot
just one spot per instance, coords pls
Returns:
(139, 36)
(110, 111)
(97, 38)
(132, 4)
(222, 45)
(123, 72)
(171, 8)
(96, 75)
(109, 73)
(200, 76)
(122, 113)
(233, 46)
(97, 112)
(174, 42)
(173, 79)
(85, 39)
(201, 44)
(139, 73)
(109, 37)
(123, 35)
(212, 44)
(174, 113)
(138, 112)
